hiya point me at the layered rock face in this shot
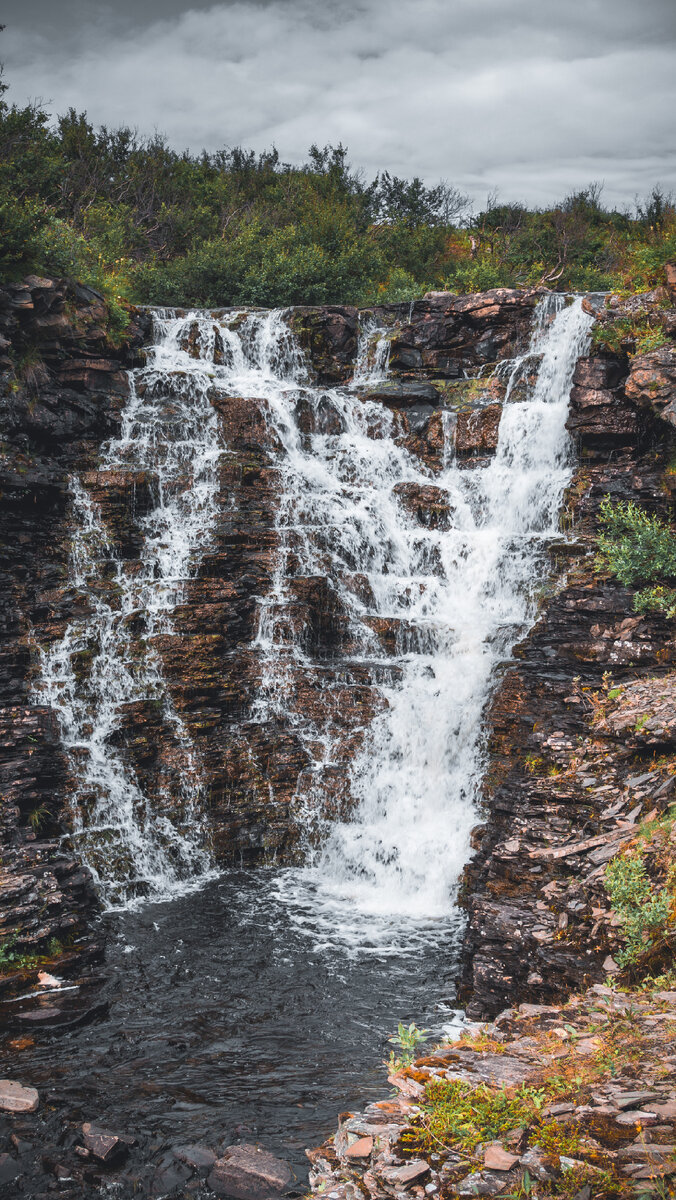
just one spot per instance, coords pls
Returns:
(65, 390)
(567, 778)
(63, 385)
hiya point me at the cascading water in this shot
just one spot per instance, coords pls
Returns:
(463, 597)
(456, 600)
(106, 664)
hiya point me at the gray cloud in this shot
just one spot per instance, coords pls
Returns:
(532, 97)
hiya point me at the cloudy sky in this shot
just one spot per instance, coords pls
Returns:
(530, 97)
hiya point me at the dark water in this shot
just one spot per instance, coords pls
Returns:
(226, 1021)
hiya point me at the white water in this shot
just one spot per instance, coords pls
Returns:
(138, 847)
(374, 881)
(380, 877)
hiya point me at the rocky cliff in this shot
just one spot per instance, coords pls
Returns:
(568, 777)
(63, 383)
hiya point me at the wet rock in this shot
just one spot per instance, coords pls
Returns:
(601, 417)
(106, 1147)
(9, 1169)
(400, 394)
(328, 334)
(124, 497)
(248, 1173)
(428, 504)
(201, 1158)
(17, 1098)
(477, 431)
(444, 335)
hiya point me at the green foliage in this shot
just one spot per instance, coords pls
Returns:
(138, 221)
(637, 547)
(37, 817)
(7, 954)
(407, 1038)
(634, 335)
(643, 911)
(656, 599)
(460, 1115)
(12, 960)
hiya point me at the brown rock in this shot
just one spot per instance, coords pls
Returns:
(428, 504)
(498, 1159)
(477, 431)
(652, 382)
(360, 1149)
(249, 1173)
(103, 1145)
(666, 1111)
(16, 1098)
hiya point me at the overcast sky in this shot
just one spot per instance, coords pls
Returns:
(534, 98)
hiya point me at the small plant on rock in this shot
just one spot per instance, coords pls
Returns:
(638, 547)
(644, 912)
(407, 1038)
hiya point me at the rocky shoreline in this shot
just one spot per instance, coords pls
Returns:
(556, 1100)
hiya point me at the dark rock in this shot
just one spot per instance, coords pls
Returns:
(328, 334)
(249, 1173)
(201, 1158)
(106, 1147)
(400, 394)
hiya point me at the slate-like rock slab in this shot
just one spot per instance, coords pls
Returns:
(403, 1177)
(106, 1147)
(249, 1173)
(16, 1098)
(498, 1159)
(198, 1157)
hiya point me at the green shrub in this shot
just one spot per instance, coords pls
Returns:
(633, 335)
(644, 912)
(637, 546)
(407, 1038)
(657, 599)
(62, 251)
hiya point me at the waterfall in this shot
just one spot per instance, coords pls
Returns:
(382, 859)
(105, 667)
(464, 596)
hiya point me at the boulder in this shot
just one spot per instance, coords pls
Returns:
(249, 1173)
(652, 382)
(17, 1098)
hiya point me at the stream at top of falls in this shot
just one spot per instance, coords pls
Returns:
(256, 1003)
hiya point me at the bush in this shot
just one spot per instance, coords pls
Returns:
(632, 335)
(637, 547)
(656, 600)
(644, 912)
(62, 251)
